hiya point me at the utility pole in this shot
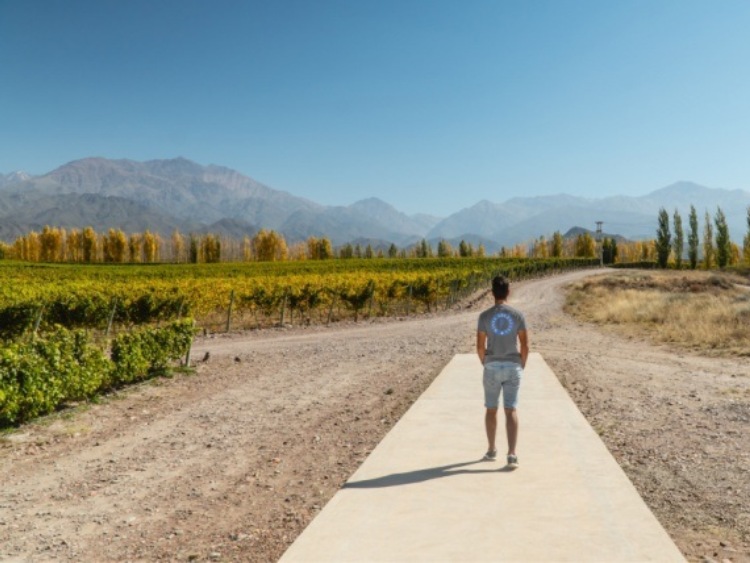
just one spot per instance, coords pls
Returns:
(599, 242)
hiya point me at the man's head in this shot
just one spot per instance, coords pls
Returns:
(500, 287)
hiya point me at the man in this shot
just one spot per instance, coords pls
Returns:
(499, 332)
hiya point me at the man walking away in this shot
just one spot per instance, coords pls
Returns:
(500, 331)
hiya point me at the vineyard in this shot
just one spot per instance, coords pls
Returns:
(70, 332)
(255, 295)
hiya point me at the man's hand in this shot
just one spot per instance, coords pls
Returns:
(523, 338)
(481, 346)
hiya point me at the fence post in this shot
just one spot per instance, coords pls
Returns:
(190, 347)
(408, 303)
(330, 309)
(229, 313)
(38, 321)
(283, 307)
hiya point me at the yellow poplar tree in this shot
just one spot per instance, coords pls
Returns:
(210, 248)
(178, 246)
(247, 249)
(150, 247)
(541, 248)
(557, 245)
(89, 245)
(585, 246)
(50, 244)
(33, 247)
(269, 246)
(114, 245)
(73, 245)
(298, 251)
(135, 243)
(18, 248)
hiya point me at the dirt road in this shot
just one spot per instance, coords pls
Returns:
(231, 463)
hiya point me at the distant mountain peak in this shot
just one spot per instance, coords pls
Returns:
(180, 193)
(372, 201)
(14, 177)
(680, 188)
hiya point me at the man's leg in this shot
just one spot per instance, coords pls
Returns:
(490, 424)
(511, 429)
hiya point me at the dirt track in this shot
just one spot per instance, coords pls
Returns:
(233, 462)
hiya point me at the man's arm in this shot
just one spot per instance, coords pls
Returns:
(523, 338)
(481, 345)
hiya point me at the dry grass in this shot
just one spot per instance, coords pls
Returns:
(701, 311)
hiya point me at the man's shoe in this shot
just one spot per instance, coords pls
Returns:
(491, 455)
(513, 461)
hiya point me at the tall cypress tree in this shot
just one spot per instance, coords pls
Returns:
(693, 241)
(708, 243)
(723, 243)
(663, 239)
(679, 239)
(557, 242)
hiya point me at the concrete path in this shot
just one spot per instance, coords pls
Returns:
(425, 495)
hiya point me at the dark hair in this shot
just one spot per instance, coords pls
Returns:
(500, 287)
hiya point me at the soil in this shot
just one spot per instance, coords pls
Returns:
(230, 463)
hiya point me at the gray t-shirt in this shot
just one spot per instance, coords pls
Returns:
(501, 324)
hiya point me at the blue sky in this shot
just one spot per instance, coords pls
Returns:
(430, 105)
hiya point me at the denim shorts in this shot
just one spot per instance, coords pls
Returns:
(505, 377)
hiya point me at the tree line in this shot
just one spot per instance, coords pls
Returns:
(715, 250)
(54, 244)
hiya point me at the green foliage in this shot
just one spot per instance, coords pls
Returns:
(585, 246)
(320, 249)
(693, 241)
(346, 251)
(423, 249)
(83, 308)
(305, 298)
(723, 243)
(642, 265)
(38, 376)
(679, 239)
(663, 239)
(465, 249)
(357, 297)
(444, 249)
(193, 251)
(708, 243)
(144, 352)
(210, 248)
(557, 245)
(609, 251)
(86, 295)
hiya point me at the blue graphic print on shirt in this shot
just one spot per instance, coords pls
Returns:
(502, 324)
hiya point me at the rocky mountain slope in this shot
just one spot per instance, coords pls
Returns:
(163, 195)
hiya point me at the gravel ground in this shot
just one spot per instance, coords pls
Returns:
(232, 462)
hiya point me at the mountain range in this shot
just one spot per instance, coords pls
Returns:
(163, 195)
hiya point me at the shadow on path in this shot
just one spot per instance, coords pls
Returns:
(421, 475)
